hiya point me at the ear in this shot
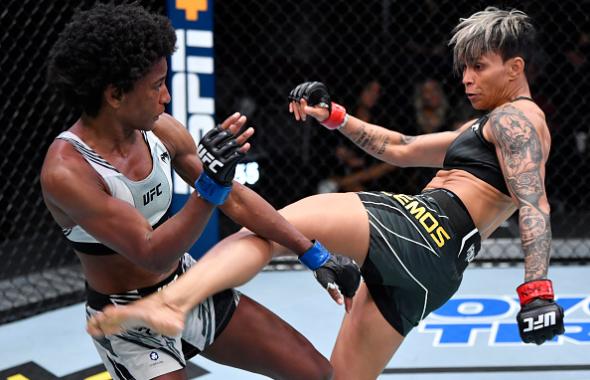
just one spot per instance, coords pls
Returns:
(515, 67)
(113, 96)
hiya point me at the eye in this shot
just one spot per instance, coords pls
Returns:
(158, 85)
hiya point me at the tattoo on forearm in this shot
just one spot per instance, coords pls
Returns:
(364, 138)
(370, 140)
(536, 242)
(383, 147)
(522, 162)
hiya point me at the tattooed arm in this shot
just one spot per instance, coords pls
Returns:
(398, 149)
(522, 150)
(392, 147)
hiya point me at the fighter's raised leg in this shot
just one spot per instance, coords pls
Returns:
(338, 220)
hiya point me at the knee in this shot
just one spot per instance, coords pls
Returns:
(309, 366)
(320, 369)
(325, 371)
(260, 244)
(275, 249)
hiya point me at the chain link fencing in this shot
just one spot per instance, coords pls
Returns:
(39, 269)
(385, 60)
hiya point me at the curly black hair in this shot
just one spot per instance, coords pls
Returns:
(105, 45)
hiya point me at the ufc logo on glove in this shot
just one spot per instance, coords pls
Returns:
(543, 320)
(207, 158)
(540, 319)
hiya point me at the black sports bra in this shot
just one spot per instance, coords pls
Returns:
(473, 153)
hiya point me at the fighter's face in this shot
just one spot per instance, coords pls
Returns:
(142, 106)
(486, 81)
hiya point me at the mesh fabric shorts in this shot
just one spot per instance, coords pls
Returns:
(143, 354)
(419, 248)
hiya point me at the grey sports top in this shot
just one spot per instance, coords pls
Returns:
(151, 196)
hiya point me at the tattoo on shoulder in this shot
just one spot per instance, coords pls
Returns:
(522, 162)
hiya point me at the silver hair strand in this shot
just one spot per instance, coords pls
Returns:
(484, 32)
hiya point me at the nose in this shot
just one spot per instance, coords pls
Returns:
(467, 76)
(164, 94)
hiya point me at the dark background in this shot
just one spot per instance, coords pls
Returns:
(265, 47)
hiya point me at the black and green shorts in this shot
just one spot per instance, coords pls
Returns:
(419, 247)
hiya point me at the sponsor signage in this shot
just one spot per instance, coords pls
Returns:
(192, 90)
(466, 321)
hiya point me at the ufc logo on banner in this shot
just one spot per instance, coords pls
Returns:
(543, 320)
(207, 157)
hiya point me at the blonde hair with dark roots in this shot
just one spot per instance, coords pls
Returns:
(509, 33)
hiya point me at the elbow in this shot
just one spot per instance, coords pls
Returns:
(149, 261)
(546, 206)
(396, 157)
(155, 266)
(146, 257)
(397, 161)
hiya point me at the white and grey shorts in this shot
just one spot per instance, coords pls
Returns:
(143, 354)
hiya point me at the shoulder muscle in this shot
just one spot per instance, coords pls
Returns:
(174, 135)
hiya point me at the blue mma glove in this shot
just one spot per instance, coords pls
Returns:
(332, 271)
(220, 154)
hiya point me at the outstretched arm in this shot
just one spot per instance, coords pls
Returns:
(396, 148)
(215, 183)
(313, 99)
(242, 205)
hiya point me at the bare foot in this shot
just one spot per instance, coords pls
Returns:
(152, 312)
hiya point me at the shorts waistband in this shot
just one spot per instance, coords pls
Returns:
(458, 214)
(98, 301)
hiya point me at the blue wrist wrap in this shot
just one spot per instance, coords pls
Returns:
(210, 190)
(315, 257)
